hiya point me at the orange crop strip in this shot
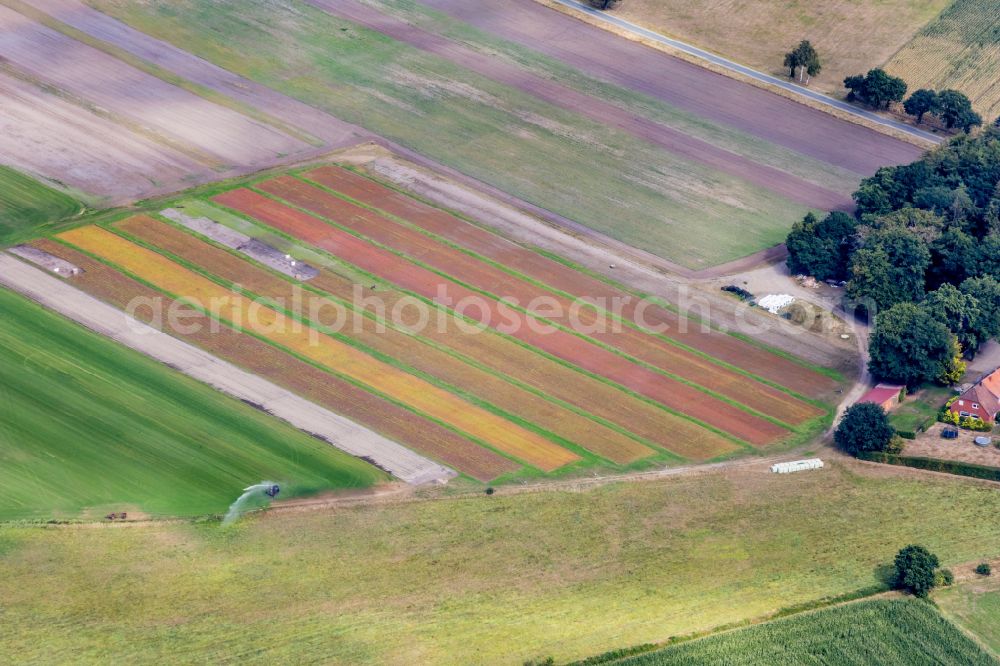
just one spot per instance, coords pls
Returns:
(338, 395)
(274, 326)
(402, 346)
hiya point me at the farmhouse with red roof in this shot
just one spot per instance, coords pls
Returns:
(982, 400)
(884, 395)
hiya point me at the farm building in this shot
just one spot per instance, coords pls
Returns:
(884, 395)
(982, 399)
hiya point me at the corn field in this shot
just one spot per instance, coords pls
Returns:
(897, 632)
(960, 50)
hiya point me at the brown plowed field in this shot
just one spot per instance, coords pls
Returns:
(400, 346)
(478, 274)
(538, 267)
(629, 64)
(207, 131)
(566, 346)
(677, 142)
(368, 409)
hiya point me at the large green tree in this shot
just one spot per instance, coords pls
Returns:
(821, 248)
(955, 256)
(804, 59)
(909, 346)
(876, 88)
(985, 325)
(890, 268)
(955, 109)
(915, 568)
(865, 427)
(921, 102)
(925, 224)
(956, 310)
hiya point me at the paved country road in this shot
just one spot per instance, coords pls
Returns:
(60, 296)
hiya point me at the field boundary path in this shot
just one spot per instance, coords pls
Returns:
(106, 320)
(732, 66)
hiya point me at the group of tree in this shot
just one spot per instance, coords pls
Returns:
(803, 61)
(921, 254)
(876, 88)
(602, 4)
(952, 107)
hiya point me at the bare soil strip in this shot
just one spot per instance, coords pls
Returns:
(44, 134)
(182, 118)
(789, 186)
(332, 131)
(99, 317)
(714, 96)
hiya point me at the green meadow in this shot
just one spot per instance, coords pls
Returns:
(26, 204)
(480, 579)
(89, 426)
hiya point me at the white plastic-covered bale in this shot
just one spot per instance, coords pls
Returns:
(796, 466)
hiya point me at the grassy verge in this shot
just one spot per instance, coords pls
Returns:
(974, 606)
(481, 579)
(90, 426)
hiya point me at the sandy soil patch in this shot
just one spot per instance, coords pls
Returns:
(174, 116)
(931, 445)
(43, 134)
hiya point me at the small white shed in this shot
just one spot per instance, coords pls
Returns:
(796, 466)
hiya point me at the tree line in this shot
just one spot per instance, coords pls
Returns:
(923, 252)
(879, 90)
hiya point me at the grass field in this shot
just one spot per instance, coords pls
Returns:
(635, 192)
(91, 427)
(851, 36)
(975, 606)
(919, 407)
(26, 204)
(960, 50)
(899, 632)
(493, 580)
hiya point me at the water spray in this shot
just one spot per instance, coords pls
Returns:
(263, 489)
